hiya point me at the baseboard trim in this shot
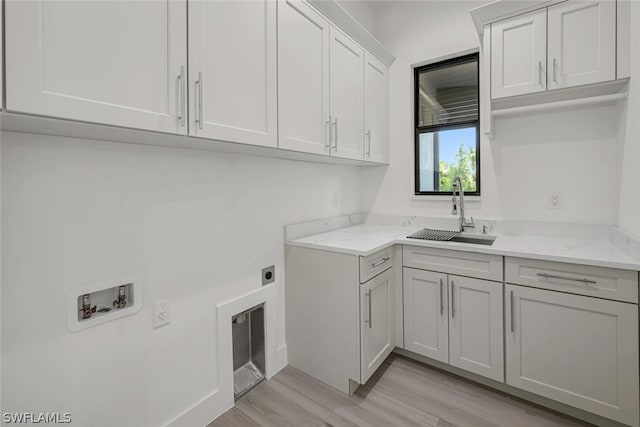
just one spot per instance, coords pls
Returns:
(210, 407)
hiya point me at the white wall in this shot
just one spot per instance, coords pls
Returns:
(574, 153)
(629, 217)
(196, 226)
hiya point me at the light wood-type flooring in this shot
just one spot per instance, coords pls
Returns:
(401, 393)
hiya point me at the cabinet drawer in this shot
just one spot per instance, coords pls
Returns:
(374, 264)
(482, 266)
(610, 283)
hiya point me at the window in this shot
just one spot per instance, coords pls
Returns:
(447, 126)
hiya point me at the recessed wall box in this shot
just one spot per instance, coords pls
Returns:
(102, 302)
(248, 350)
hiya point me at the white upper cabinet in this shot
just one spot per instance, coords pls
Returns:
(376, 77)
(328, 86)
(272, 73)
(303, 78)
(581, 43)
(519, 55)
(112, 62)
(346, 62)
(476, 327)
(569, 44)
(232, 71)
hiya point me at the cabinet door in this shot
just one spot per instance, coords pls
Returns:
(519, 55)
(581, 43)
(346, 97)
(476, 327)
(303, 78)
(375, 325)
(577, 350)
(232, 70)
(426, 328)
(376, 77)
(113, 62)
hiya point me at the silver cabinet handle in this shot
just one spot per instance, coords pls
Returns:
(327, 135)
(441, 298)
(368, 294)
(540, 69)
(199, 96)
(368, 135)
(573, 279)
(181, 115)
(513, 328)
(453, 309)
(555, 80)
(379, 263)
(335, 142)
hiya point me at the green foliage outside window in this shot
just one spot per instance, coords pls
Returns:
(464, 166)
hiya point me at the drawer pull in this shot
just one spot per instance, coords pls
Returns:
(379, 263)
(573, 279)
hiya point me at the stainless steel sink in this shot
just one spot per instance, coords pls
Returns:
(453, 236)
(475, 240)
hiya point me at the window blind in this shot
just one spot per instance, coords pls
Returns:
(448, 95)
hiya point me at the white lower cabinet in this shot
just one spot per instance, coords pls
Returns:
(455, 320)
(338, 329)
(476, 327)
(548, 335)
(375, 323)
(574, 349)
(426, 318)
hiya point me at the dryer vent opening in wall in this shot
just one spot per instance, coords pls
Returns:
(248, 349)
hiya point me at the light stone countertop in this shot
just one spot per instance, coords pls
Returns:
(365, 239)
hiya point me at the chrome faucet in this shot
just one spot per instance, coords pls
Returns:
(457, 183)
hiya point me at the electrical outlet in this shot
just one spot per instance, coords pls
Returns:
(555, 201)
(336, 199)
(161, 313)
(268, 275)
